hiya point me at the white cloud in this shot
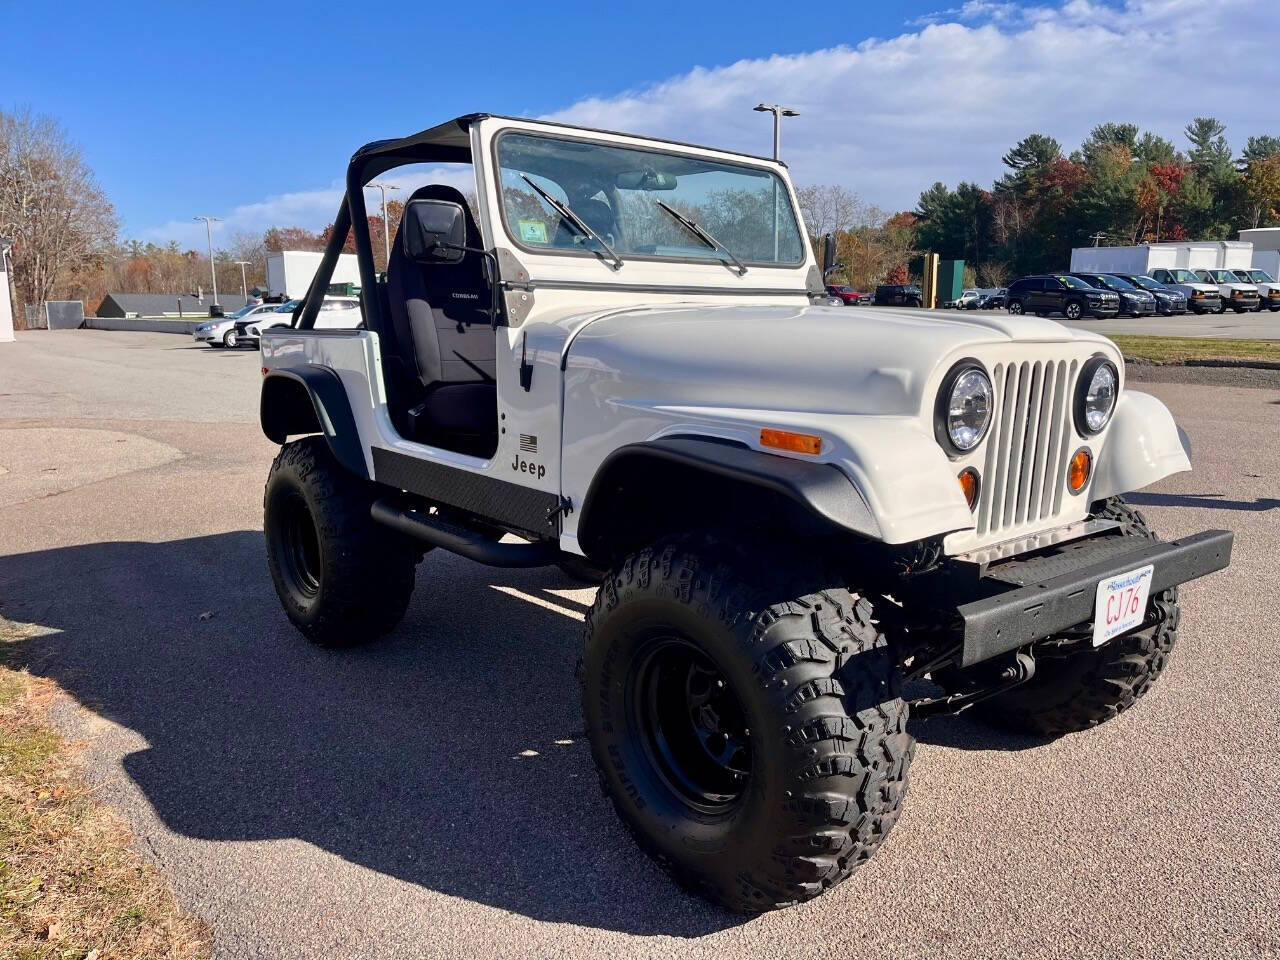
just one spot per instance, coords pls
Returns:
(942, 101)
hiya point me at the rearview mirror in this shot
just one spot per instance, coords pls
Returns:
(644, 180)
(435, 231)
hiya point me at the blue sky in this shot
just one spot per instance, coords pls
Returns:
(250, 111)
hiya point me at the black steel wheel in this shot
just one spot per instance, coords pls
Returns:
(691, 724)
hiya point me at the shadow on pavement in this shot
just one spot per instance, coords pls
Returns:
(963, 731)
(1200, 500)
(448, 755)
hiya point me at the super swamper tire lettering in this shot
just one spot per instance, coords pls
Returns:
(1084, 685)
(808, 677)
(341, 579)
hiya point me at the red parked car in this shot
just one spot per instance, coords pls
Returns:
(848, 295)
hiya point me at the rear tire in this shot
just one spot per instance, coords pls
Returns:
(1085, 685)
(341, 578)
(750, 733)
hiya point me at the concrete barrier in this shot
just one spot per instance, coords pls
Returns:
(144, 324)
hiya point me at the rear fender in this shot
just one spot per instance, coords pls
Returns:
(311, 399)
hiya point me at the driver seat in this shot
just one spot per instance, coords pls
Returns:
(447, 349)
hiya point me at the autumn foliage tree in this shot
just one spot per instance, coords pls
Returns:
(60, 222)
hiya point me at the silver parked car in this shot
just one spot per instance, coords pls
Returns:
(219, 330)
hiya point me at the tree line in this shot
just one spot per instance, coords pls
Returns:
(1122, 185)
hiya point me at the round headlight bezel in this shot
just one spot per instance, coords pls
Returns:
(942, 408)
(1083, 383)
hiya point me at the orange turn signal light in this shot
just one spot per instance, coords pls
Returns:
(1079, 469)
(968, 478)
(791, 442)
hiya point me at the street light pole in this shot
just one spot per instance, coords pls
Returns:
(213, 273)
(778, 113)
(244, 284)
(386, 228)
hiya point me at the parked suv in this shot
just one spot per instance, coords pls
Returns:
(1169, 301)
(623, 359)
(1202, 296)
(898, 295)
(1060, 293)
(1134, 302)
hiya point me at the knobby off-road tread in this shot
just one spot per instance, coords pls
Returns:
(1091, 685)
(832, 786)
(368, 573)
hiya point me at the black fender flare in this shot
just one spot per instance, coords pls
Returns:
(311, 399)
(820, 488)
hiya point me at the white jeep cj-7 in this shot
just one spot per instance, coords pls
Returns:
(613, 352)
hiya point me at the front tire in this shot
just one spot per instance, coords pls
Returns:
(231, 339)
(1073, 311)
(1081, 686)
(1015, 307)
(751, 735)
(341, 579)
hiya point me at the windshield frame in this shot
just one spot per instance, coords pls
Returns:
(495, 141)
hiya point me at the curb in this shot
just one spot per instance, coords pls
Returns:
(1233, 364)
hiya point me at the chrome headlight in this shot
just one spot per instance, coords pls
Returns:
(1096, 392)
(963, 410)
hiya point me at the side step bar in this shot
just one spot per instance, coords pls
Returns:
(435, 532)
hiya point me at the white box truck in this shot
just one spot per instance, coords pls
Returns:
(1169, 263)
(289, 272)
(1263, 266)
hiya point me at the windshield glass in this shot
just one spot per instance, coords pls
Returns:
(1223, 276)
(1146, 283)
(1184, 276)
(287, 307)
(1074, 283)
(1259, 276)
(247, 308)
(616, 191)
(1116, 283)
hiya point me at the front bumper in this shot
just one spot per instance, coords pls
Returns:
(1172, 308)
(1023, 600)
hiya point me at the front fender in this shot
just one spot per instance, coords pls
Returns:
(1143, 445)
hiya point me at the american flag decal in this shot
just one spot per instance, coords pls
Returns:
(528, 443)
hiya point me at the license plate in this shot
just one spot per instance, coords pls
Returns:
(1121, 603)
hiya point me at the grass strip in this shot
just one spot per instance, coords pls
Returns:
(72, 887)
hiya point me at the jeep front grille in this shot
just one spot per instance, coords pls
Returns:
(1027, 447)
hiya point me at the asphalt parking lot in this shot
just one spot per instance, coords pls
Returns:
(1263, 325)
(431, 796)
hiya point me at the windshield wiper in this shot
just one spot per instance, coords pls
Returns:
(575, 221)
(702, 235)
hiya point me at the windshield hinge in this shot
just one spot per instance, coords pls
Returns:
(526, 285)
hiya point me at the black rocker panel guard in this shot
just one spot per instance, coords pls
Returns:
(506, 504)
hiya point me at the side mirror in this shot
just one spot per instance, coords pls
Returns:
(829, 256)
(435, 231)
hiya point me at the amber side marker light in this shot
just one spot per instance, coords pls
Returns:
(1079, 469)
(792, 442)
(969, 483)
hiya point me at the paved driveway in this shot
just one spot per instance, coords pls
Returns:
(431, 795)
